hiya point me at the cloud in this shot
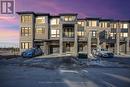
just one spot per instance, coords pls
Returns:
(9, 35)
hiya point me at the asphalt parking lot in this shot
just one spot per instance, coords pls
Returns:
(53, 72)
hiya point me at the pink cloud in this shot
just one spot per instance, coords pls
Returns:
(8, 19)
(9, 35)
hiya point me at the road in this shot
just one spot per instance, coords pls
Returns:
(24, 76)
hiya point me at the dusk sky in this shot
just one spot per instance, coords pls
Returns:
(114, 9)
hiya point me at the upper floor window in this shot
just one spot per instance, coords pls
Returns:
(55, 33)
(93, 33)
(26, 19)
(40, 20)
(92, 23)
(114, 25)
(81, 23)
(123, 34)
(68, 32)
(55, 21)
(25, 31)
(104, 24)
(125, 25)
(69, 18)
(113, 35)
(39, 31)
(80, 33)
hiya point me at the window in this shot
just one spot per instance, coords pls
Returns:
(25, 31)
(55, 33)
(69, 18)
(113, 35)
(25, 45)
(93, 33)
(125, 25)
(39, 31)
(92, 23)
(81, 23)
(125, 34)
(55, 21)
(104, 24)
(80, 33)
(40, 20)
(114, 25)
(68, 32)
(26, 19)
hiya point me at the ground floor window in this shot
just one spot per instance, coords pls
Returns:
(68, 47)
(80, 47)
(25, 45)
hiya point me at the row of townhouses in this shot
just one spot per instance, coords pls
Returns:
(66, 33)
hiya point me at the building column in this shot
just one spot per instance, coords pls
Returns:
(76, 41)
(104, 45)
(86, 37)
(117, 41)
(89, 43)
(117, 44)
(61, 40)
(127, 46)
(45, 48)
(98, 41)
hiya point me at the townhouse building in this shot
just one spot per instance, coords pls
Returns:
(66, 33)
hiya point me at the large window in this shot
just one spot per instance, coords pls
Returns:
(40, 20)
(68, 32)
(92, 23)
(80, 33)
(25, 45)
(114, 25)
(93, 33)
(25, 31)
(125, 25)
(113, 35)
(55, 33)
(69, 18)
(81, 23)
(104, 24)
(26, 19)
(55, 21)
(39, 30)
(123, 34)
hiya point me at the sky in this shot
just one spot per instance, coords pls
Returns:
(113, 9)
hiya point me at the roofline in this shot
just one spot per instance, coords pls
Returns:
(92, 18)
(70, 14)
(25, 12)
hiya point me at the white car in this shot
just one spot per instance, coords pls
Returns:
(103, 53)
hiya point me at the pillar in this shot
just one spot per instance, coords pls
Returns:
(89, 43)
(45, 48)
(98, 41)
(118, 41)
(75, 41)
(61, 40)
(128, 46)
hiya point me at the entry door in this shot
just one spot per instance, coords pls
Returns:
(54, 49)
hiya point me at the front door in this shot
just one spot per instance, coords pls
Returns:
(54, 49)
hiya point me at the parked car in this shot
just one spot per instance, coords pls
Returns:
(103, 53)
(82, 55)
(32, 52)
